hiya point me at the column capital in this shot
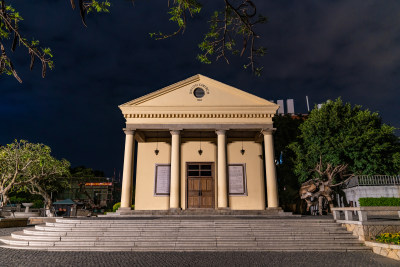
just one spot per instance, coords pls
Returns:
(128, 131)
(268, 131)
(175, 132)
(221, 131)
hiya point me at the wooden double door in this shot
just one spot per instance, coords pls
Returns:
(200, 185)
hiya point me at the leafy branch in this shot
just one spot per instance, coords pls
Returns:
(9, 19)
(235, 23)
(86, 7)
(178, 11)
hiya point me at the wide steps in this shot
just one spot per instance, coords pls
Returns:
(319, 239)
(176, 234)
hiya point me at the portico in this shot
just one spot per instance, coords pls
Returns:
(201, 144)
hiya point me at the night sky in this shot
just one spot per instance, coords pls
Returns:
(321, 48)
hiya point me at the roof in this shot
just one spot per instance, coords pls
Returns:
(218, 106)
(67, 201)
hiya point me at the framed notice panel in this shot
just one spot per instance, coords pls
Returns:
(162, 179)
(237, 179)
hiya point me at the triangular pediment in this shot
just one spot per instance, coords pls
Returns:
(184, 94)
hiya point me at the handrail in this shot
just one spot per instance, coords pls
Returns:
(362, 212)
(373, 180)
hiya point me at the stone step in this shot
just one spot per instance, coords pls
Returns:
(226, 229)
(172, 243)
(185, 227)
(191, 232)
(178, 231)
(192, 221)
(195, 224)
(22, 236)
(192, 249)
(64, 225)
(135, 233)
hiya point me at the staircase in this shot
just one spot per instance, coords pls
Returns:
(196, 233)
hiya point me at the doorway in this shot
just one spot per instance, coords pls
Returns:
(200, 185)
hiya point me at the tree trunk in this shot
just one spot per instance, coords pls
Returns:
(330, 201)
(48, 204)
(38, 190)
(4, 198)
(320, 198)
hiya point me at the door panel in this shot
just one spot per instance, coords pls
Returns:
(200, 185)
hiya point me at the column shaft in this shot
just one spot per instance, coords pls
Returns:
(272, 184)
(174, 190)
(222, 178)
(127, 177)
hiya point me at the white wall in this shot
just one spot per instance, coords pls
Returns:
(354, 193)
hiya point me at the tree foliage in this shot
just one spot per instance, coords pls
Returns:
(339, 134)
(84, 172)
(28, 166)
(338, 141)
(235, 24)
(9, 27)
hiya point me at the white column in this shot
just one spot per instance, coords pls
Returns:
(174, 190)
(272, 184)
(127, 177)
(222, 179)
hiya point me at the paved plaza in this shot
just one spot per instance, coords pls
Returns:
(11, 257)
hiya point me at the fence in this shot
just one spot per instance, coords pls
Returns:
(367, 180)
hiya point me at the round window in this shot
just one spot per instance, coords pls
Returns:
(198, 92)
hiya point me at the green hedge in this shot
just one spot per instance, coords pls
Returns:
(381, 201)
(118, 204)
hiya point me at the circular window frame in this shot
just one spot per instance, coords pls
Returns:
(200, 92)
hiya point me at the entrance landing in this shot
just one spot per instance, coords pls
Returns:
(203, 212)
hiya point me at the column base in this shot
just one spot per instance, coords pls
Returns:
(175, 209)
(274, 208)
(227, 208)
(123, 209)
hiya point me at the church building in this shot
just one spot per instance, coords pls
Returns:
(201, 144)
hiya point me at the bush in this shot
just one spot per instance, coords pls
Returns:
(37, 204)
(117, 205)
(381, 201)
(389, 238)
(17, 200)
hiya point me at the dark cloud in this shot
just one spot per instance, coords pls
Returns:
(323, 49)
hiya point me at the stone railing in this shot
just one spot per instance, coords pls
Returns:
(363, 212)
(374, 180)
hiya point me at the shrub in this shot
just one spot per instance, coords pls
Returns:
(118, 204)
(37, 204)
(17, 200)
(381, 201)
(389, 238)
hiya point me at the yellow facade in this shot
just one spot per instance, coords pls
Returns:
(181, 119)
